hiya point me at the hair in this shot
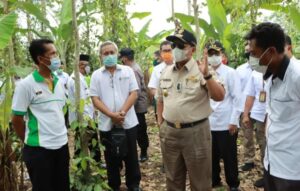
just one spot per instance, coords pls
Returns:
(165, 43)
(288, 40)
(106, 43)
(157, 53)
(37, 48)
(266, 35)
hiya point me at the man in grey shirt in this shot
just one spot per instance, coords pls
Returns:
(127, 58)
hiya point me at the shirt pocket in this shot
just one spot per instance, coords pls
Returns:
(166, 86)
(192, 86)
(283, 110)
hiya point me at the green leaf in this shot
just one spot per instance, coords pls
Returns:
(32, 9)
(83, 164)
(217, 15)
(140, 15)
(142, 34)
(295, 16)
(97, 187)
(274, 7)
(66, 12)
(7, 26)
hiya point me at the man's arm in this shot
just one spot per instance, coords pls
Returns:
(116, 117)
(130, 101)
(18, 124)
(215, 89)
(248, 106)
(160, 107)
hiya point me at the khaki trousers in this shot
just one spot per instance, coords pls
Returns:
(248, 142)
(185, 151)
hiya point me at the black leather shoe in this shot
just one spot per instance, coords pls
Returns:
(217, 185)
(143, 156)
(247, 166)
(259, 183)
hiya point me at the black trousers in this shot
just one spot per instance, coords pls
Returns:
(273, 183)
(133, 174)
(142, 136)
(224, 147)
(48, 169)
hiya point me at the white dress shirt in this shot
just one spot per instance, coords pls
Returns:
(282, 156)
(226, 112)
(244, 71)
(154, 79)
(63, 79)
(88, 111)
(113, 91)
(255, 85)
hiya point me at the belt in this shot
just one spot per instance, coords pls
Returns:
(178, 125)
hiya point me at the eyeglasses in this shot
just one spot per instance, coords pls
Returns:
(178, 45)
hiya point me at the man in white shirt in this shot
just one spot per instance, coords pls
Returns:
(167, 57)
(114, 92)
(41, 98)
(254, 117)
(63, 77)
(224, 120)
(282, 156)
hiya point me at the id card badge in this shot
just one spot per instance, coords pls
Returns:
(262, 96)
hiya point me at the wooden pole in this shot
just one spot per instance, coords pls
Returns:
(196, 11)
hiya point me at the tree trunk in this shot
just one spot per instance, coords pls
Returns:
(173, 11)
(196, 11)
(189, 7)
(43, 7)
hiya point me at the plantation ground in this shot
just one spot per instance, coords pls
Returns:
(154, 180)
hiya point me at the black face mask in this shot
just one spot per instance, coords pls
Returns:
(247, 55)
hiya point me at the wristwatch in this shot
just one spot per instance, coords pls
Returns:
(209, 76)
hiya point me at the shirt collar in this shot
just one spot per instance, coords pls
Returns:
(220, 69)
(282, 69)
(118, 67)
(188, 66)
(38, 78)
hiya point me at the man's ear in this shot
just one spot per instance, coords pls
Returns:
(193, 49)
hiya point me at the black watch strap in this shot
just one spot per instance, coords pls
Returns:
(209, 76)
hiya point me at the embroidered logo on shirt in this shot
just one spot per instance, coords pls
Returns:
(38, 92)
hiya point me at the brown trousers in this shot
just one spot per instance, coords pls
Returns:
(187, 151)
(248, 142)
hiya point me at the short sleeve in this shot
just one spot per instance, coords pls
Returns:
(250, 87)
(133, 85)
(94, 87)
(154, 81)
(21, 99)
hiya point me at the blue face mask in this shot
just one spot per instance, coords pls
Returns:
(110, 60)
(54, 64)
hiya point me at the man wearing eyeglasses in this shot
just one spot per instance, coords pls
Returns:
(183, 108)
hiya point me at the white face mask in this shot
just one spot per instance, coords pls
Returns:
(214, 60)
(179, 54)
(255, 63)
(87, 70)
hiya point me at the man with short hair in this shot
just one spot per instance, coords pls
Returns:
(140, 107)
(281, 161)
(183, 111)
(41, 98)
(224, 119)
(114, 92)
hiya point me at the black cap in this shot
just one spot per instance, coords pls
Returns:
(128, 52)
(84, 57)
(182, 36)
(215, 45)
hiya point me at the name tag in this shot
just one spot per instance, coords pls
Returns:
(262, 96)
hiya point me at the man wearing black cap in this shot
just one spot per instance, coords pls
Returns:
(224, 120)
(140, 106)
(183, 110)
(88, 112)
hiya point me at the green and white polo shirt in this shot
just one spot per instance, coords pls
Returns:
(45, 123)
